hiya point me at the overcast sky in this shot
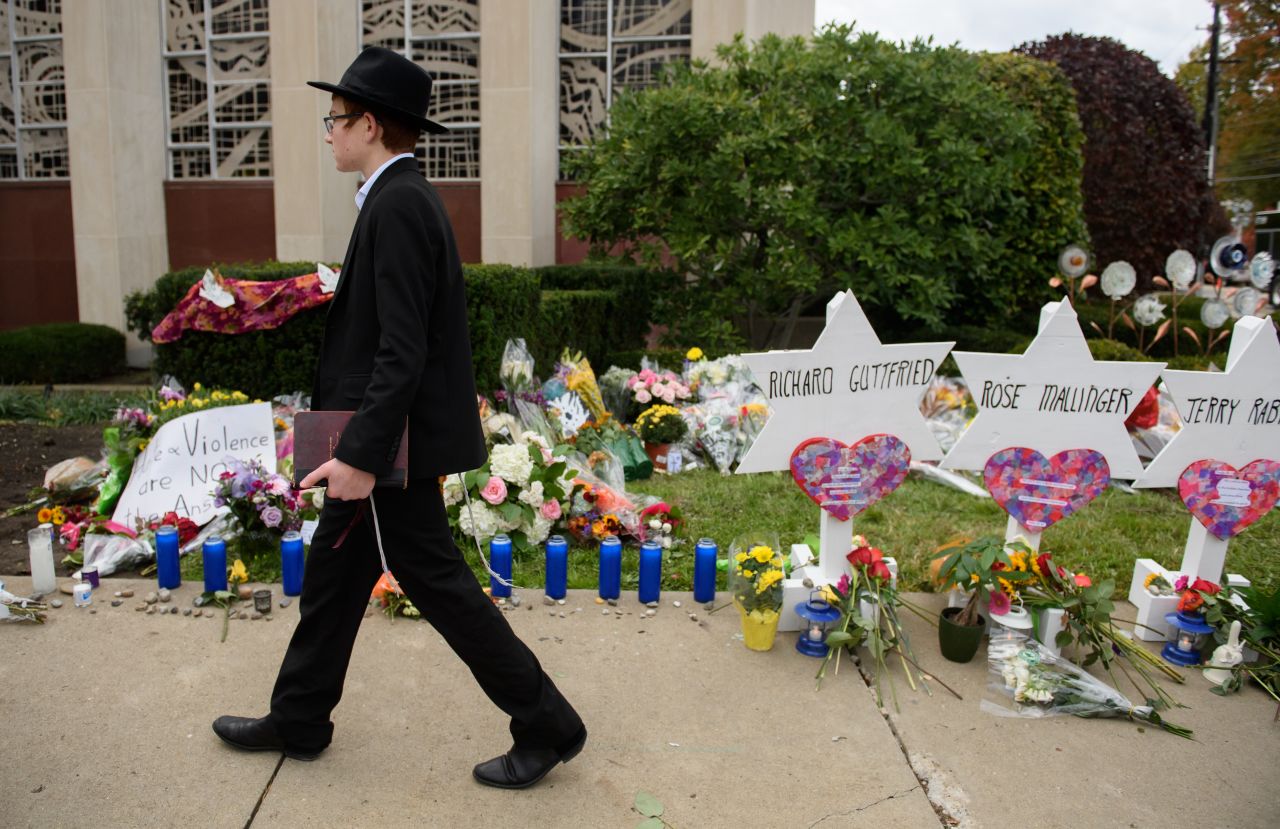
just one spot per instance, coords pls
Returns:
(1163, 30)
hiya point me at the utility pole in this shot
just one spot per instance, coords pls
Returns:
(1211, 93)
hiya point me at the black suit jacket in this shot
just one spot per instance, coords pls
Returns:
(396, 343)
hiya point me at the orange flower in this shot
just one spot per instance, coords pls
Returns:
(1190, 602)
(44, 515)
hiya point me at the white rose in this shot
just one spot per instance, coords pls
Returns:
(532, 495)
(477, 520)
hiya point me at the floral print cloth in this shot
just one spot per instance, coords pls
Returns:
(258, 306)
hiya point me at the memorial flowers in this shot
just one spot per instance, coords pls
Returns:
(648, 386)
(755, 580)
(661, 424)
(1030, 681)
(522, 490)
(264, 504)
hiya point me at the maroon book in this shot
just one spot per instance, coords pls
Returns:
(316, 436)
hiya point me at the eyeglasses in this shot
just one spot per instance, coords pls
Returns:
(329, 119)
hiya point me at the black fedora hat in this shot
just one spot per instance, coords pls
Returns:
(387, 80)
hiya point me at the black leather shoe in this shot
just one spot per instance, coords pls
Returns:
(521, 768)
(256, 735)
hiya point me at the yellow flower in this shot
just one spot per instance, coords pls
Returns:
(1150, 578)
(694, 353)
(197, 403)
(749, 573)
(238, 572)
(142, 447)
(239, 395)
(768, 580)
(761, 554)
(58, 518)
(196, 387)
(1008, 588)
(44, 515)
(740, 557)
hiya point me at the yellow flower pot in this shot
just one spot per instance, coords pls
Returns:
(759, 627)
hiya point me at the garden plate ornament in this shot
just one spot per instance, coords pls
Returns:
(1073, 261)
(1180, 267)
(1038, 492)
(1226, 499)
(844, 480)
(1118, 280)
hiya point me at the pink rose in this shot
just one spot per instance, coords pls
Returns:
(551, 509)
(1180, 584)
(668, 396)
(495, 492)
(643, 396)
(658, 389)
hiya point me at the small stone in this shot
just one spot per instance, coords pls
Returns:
(548, 600)
(118, 594)
(141, 606)
(186, 611)
(528, 607)
(651, 612)
(198, 612)
(551, 613)
(612, 602)
(808, 583)
(93, 611)
(709, 606)
(562, 614)
(515, 601)
(164, 594)
(151, 598)
(256, 616)
(266, 618)
(650, 604)
(286, 602)
(244, 614)
(559, 601)
(126, 593)
(501, 602)
(67, 587)
(599, 600)
(151, 609)
(245, 593)
(55, 603)
(605, 611)
(117, 602)
(676, 603)
(618, 611)
(693, 617)
(198, 601)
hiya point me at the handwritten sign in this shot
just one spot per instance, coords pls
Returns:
(1231, 416)
(180, 466)
(1053, 398)
(848, 386)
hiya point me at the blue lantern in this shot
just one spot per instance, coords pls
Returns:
(1190, 632)
(818, 615)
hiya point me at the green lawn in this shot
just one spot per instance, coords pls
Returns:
(1103, 540)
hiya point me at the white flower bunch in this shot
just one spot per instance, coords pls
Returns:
(511, 463)
(1148, 310)
(478, 520)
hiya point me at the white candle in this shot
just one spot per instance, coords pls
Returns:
(40, 542)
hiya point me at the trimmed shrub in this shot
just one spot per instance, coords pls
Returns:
(585, 321)
(60, 352)
(502, 303)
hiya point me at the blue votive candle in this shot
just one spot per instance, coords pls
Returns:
(292, 563)
(704, 570)
(557, 566)
(650, 571)
(500, 561)
(610, 567)
(167, 573)
(214, 553)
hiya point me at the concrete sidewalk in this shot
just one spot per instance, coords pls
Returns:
(105, 722)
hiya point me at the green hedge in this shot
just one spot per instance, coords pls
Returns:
(1097, 311)
(60, 352)
(503, 301)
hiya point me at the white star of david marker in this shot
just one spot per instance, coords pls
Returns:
(1052, 398)
(1231, 416)
(848, 386)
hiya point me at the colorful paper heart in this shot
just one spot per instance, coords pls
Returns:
(845, 480)
(1038, 491)
(1226, 499)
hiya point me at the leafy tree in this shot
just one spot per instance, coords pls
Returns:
(1248, 104)
(1145, 192)
(797, 168)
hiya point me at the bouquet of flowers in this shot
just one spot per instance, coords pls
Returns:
(264, 504)
(868, 602)
(516, 375)
(573, 373)
(616, 391)
(392, 600)
(661, 424)
(1027, 680)
(983, 568)
(522, 490)
(755, 580)
(649, 385)
(609, 435)
(1088, 624)
(20, 609)
(598, 510)
(660, 521)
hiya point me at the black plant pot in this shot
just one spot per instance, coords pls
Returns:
(959, 643)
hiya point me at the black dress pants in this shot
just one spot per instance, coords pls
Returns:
(430, 569)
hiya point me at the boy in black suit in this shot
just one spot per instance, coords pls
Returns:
(396, 349)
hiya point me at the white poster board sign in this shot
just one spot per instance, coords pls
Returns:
(1052, 398)
(180, 466)
(848, 386)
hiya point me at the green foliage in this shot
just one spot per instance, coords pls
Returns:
(1096, 313)
(579, 321)
(1052, 177)
(60, 352)
(502, 303)
(1145, 192)
(1104, 349)
(636, 290)
(772, 192)
(64, 408)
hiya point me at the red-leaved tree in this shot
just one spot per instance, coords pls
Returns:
(1145, 188)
